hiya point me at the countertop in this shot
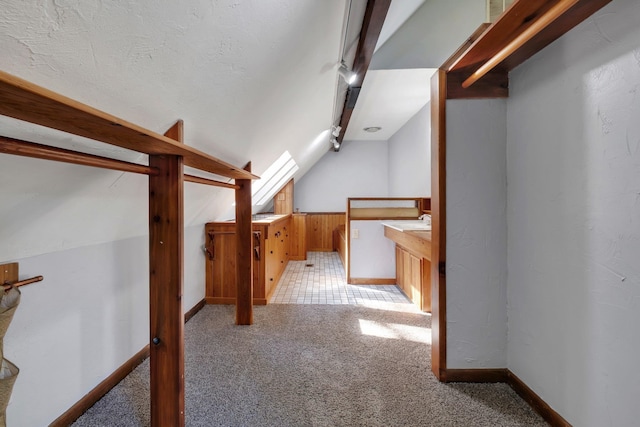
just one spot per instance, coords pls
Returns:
(414, 240)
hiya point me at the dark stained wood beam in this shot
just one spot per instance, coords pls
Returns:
(26, 101)
(166, 264)
(374, 17)
(244, 252)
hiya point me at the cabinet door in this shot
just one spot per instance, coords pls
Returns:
(407, 277)
(426, 285)
(399, 267)
(416, 280)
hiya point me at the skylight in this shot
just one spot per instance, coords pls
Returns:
(273, 179)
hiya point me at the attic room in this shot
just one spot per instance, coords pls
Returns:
(515, 120)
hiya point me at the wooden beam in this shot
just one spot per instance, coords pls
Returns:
(166, 261)
(524, 29)
(26, 101)
(29, 149)
(244, 252)
(212, 182)
(517, 42)
(493, 85)
(438, 225)
(176, 132)
(374, 17)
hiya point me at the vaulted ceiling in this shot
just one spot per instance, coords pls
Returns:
(250, 79)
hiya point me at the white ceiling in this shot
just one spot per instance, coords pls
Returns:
(250, 79)
(388, 99)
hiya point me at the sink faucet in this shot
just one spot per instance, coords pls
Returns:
(426, 218)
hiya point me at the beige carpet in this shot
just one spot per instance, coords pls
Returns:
(315, 365)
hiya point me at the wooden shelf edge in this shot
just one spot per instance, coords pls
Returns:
(26, 101)
(490, 39)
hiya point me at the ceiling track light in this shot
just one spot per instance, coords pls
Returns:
(348, 75)
(336, 144)
(335, 130)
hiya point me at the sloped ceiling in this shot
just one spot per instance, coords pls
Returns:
(250, 79)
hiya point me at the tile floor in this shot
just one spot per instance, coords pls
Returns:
(324, 282)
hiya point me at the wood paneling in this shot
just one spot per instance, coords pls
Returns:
(283, 200)
(244, 252)
(320, 228)
(298, 237)
(438, 224)
(26, 101)
(270, 254)
(166, 249)
(411, 270)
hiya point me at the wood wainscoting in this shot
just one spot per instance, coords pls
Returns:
(320, 227)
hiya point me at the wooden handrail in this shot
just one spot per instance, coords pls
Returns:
(541, 23)
(8, 286)
(30, 149)
(26, 101)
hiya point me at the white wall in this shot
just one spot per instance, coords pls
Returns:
(372, 254)
(88, 316)
(476, 234)
(410, 157)
(574, 220)
(359, 169)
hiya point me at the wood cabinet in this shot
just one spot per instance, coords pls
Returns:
(413, 277)
(413, 266)
(298, 237)
(271, 253)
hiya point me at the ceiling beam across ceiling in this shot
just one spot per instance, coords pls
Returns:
(374, 17)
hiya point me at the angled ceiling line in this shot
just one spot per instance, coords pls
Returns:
(374, 17)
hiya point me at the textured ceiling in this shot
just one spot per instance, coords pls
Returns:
(250, 79)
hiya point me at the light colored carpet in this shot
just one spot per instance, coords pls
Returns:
(314, 365)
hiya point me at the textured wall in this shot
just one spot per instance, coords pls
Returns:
(88, 316)
(574, 220)
(410, 157)
(476, 234)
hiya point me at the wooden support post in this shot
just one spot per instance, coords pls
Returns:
(166, 259)
(438, 225)
(244, 252)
